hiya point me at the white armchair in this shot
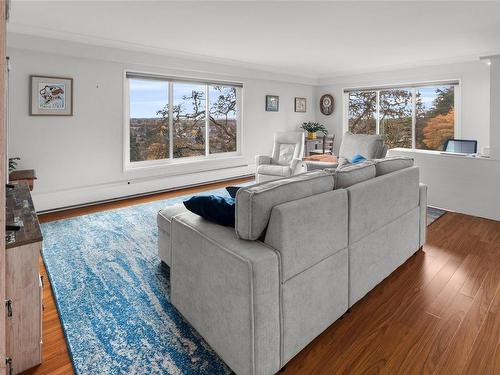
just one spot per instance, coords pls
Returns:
(286, 159)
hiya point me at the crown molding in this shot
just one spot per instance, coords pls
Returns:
(78, 45)
(342, 76)
(42, 39)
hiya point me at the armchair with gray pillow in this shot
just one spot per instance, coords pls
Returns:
(286, 159)
(368, 146)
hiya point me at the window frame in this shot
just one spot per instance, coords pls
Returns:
(170, 161)
(413, 86)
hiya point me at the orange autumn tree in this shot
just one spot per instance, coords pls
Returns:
(438, 130)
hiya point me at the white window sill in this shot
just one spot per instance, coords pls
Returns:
(187, 165)
(399, 150)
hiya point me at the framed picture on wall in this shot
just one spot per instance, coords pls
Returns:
(51, 96)
(272, 103)
(300, 104)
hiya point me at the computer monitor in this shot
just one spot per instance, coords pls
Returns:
(461, 146)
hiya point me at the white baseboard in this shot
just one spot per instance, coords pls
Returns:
(57, 200)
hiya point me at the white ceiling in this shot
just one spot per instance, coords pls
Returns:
(310, 39)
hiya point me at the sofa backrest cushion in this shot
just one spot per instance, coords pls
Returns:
(379, 201)
(392, 164)
(351, 174)
(367, 145)
(308, 230)
(255, 203)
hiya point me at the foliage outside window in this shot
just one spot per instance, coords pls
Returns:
(414, 117)
(173, 120)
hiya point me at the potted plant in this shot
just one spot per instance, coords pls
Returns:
(13, 164)
(312, 128)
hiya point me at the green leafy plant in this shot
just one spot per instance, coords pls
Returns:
(13, 164)
(314, 127)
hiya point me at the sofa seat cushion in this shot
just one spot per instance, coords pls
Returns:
(274, 170)
(164, 217)
(392, 164)
(255, 203)
(351, 174)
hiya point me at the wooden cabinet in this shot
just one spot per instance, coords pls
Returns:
(3, 173)
(23, 283)
(27, 175)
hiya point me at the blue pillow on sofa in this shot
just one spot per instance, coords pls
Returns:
(214, 208)
(357, 159)
(232, 190)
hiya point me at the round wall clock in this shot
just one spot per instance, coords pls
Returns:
(326, 104)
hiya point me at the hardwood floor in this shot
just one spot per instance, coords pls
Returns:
(439, 313)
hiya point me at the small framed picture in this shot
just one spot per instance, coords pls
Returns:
(51, 96)
(272, 103)
(300, 104)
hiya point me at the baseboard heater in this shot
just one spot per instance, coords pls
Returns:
(95, 203)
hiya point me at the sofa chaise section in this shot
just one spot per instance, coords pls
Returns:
(164, 221)
(228, 289)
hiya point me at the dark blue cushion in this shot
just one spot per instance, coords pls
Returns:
(357, 159)
(214, 208)
(232, 190)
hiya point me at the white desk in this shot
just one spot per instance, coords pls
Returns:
(470, 185)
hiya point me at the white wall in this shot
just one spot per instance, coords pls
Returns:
(474, 116)
(79, 159)
(457, 183)
(495, 108)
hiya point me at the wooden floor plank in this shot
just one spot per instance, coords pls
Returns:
(438, 313)
(483, 360)
(456, 356)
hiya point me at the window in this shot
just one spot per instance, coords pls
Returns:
(417, 116)
(149, 135)
(189, 115)
(395, 117)
(435, 116)
(362, 112)
(170, 120)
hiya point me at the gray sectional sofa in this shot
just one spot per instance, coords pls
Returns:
(303, 251)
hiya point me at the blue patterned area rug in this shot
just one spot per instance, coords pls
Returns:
(433, 214)
(112, 293)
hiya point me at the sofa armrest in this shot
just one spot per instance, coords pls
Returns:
(262, 159)
(423, 213)
(228, 289)
(314, 165)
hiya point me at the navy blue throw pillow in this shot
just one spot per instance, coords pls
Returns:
(214, 208)
(232, 190)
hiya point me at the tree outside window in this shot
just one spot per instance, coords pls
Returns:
(151, 127)
(429, 110)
